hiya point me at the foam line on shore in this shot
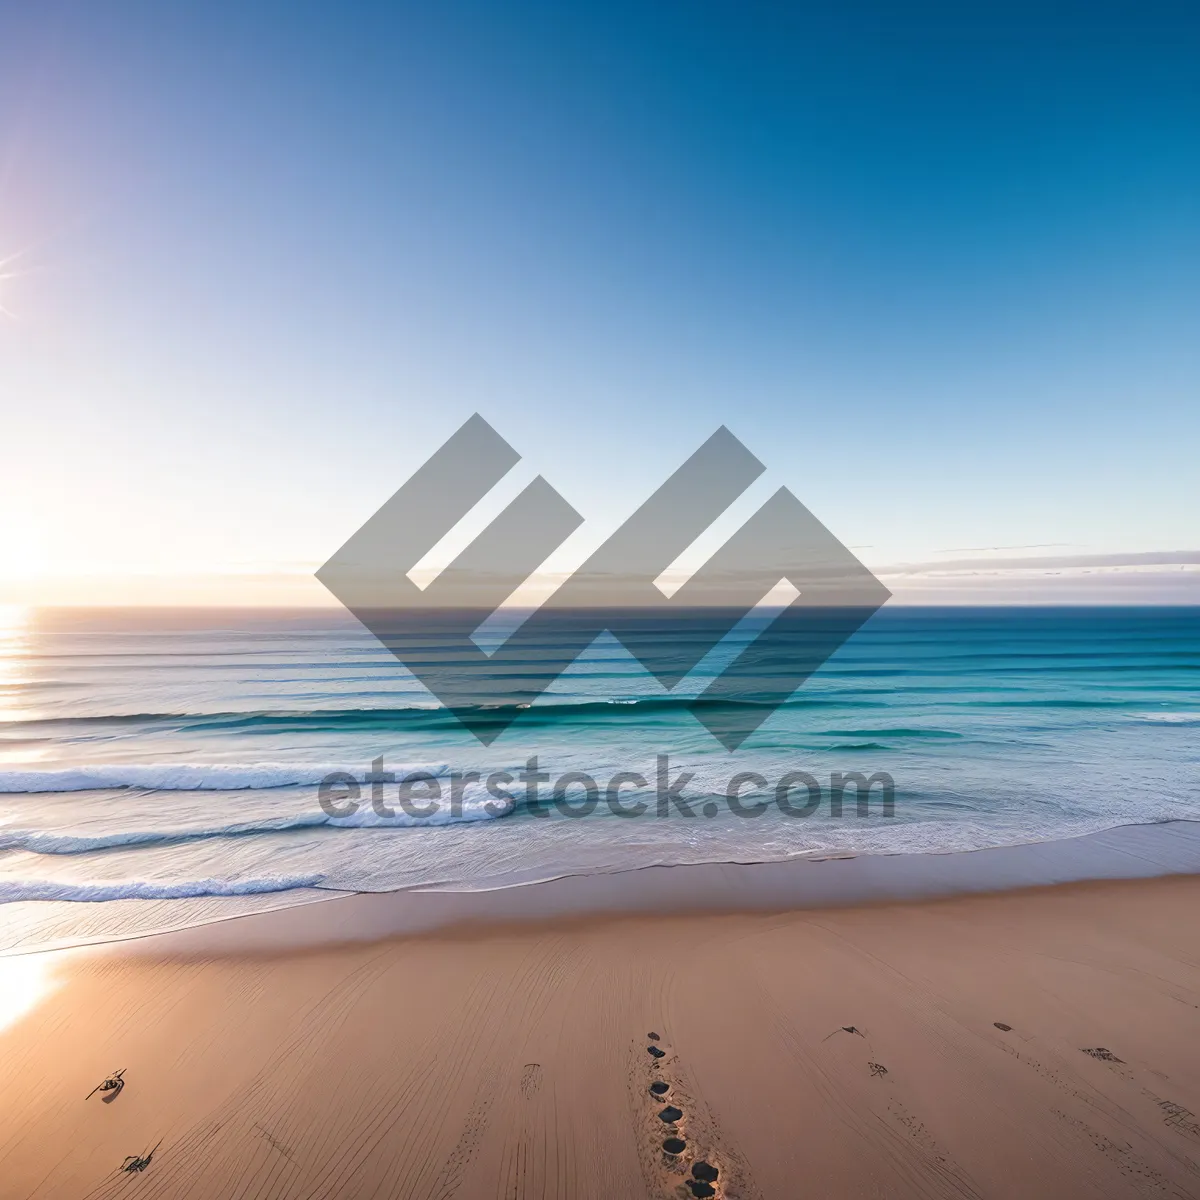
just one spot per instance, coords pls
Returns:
(1128, 852)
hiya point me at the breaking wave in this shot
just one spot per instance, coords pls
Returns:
(189, 777)
(13, 890)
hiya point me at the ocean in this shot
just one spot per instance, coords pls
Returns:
(177, 757)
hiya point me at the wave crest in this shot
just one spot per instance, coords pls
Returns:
(188, 776)
(13, 890)
(475, 805)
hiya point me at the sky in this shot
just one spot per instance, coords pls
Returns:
(935, 264)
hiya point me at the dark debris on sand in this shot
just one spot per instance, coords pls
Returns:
(844, 1029)
(139, 1162)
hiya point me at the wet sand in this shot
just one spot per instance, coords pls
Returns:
(1037, 1043)
(323, 916)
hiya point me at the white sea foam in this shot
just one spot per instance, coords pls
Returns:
(12, 890)
(190, 776)
(474, 805)
(46, 842)
(1172, 718)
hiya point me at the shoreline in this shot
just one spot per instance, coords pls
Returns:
(845, 882)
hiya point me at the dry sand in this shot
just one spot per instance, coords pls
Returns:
(512, 1061)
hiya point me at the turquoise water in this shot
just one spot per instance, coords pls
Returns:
(177, 754)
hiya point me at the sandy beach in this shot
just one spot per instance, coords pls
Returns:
(1033, 1043)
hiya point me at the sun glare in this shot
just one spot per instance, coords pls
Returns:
(14, 646)
(24, 983)
(22, 553)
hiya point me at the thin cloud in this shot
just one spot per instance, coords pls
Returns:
(1048, 562)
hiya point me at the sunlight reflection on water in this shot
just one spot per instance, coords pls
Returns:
(14, 667)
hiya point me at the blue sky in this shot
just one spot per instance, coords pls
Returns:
(934, 263)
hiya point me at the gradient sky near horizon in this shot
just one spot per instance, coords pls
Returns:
(935, 263)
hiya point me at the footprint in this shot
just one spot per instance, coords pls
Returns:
(527, 1154)
(462, 1156)
(683, 1151)
(652, 1036)
(704, 1175)
(531, 1080)
(1181, 1119)
(1101, 1053)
